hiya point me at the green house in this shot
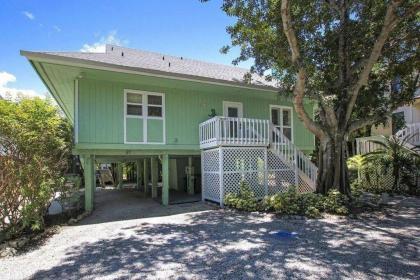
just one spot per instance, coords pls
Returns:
(190, 126)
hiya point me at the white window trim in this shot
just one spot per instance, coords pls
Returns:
(144, 116)
(135, 104)
(239, 105)
(281, 107)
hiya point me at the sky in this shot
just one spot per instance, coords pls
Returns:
(185, 28)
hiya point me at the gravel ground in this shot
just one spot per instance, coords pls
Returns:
(197, 241)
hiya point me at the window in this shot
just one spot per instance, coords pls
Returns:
(154, 106)
(287, 122)
(232, 109)
(134, 104)
(281, 118)
(144, 121)
(232, 112)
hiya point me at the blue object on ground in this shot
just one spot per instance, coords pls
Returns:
(285, 234)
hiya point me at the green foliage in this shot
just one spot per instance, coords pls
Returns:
(293, 203)
(287, 202)
(35, 143)
(336, 203)
(245, 200)
(393, 157)
(257, 30)
(312, 212)
(358, 59)
(355, 163)
(356, 188)
(290, 202)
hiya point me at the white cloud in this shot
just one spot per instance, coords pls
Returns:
(14, 93)
(99, 46)
(56, 28)
(6, 78)
(29, 15)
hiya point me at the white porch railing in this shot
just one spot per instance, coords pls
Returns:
(366, 145)
(223, 131)
(412, 130)
(305, 168)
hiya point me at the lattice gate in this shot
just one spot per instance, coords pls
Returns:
(224, 168)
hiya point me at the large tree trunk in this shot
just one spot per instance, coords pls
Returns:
(332, 172)
(332, 167)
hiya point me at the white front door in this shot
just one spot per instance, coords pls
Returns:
(233, 127)
(232, 109)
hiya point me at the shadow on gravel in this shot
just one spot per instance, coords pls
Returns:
(221, 244)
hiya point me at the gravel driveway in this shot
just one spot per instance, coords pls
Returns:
(200, 242)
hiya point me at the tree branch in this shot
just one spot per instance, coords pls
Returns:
(364, 122)
(299, 88)
(290, 32)
(330, 116)
(357, 124)
(390, 22)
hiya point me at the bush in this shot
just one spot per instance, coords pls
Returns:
(336, 203)
(392, 168)
(312, 212)
(292, 202)
(35, 144)
(245, 200)
(287, 202)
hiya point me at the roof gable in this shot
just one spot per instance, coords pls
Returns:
(126, 57)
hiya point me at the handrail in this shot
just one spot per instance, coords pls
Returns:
(219, 131)
(294, 157)
(234, 131)
(368, 144)
(412, 130)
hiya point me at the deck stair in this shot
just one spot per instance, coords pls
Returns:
(254, 151)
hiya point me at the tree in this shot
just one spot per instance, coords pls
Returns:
(35, 145)
(358, 60)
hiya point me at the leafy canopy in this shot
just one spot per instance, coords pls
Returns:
(334, 44)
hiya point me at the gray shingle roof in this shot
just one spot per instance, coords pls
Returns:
(122, 56)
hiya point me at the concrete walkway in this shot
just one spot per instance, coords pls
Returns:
(127, 204)
(195, 241)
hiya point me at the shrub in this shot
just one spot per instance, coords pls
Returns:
(336, 203)
(293, 203)
(312, 212)
(392, 168)
(245, 199)
(287, 202)
(35, 144)
(308, 200)
(290, 202)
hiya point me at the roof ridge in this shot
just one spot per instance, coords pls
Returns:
(183, 58)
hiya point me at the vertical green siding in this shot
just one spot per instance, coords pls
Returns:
(101, 113)
(187, 104)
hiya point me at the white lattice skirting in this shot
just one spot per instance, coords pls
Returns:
(224, 168)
